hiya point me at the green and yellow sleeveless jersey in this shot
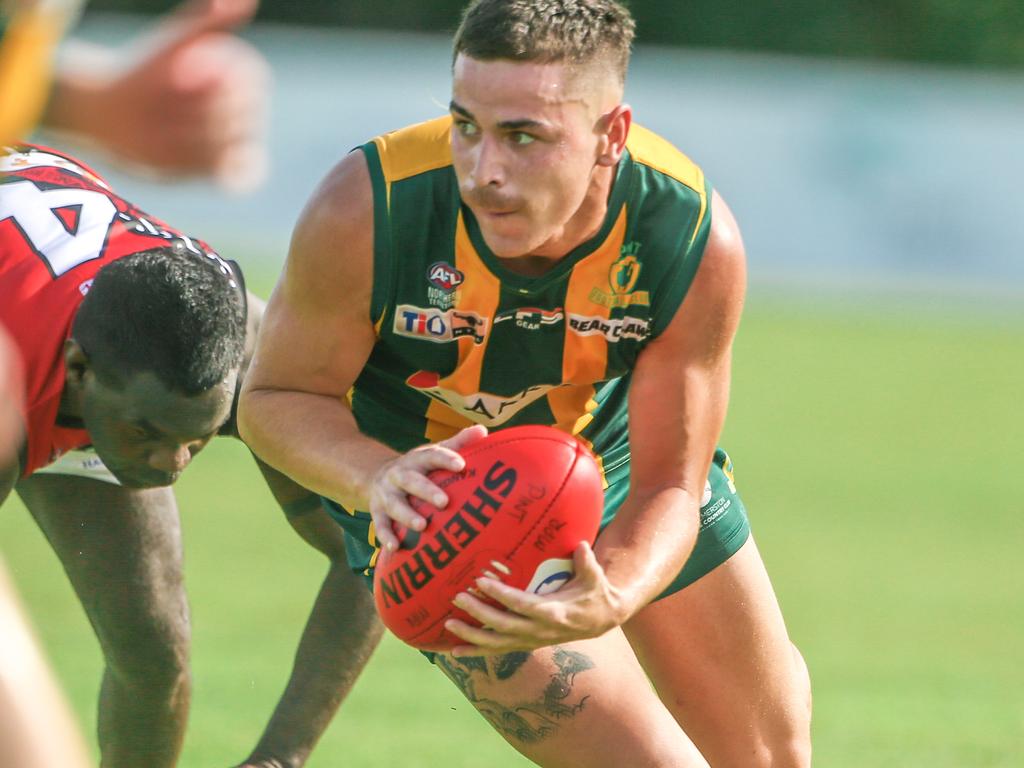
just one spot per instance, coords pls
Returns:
(462, 340)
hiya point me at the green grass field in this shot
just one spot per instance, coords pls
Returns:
(879, 453)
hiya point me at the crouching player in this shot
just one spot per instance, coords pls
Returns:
(134, 339)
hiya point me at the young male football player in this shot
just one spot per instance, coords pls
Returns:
(133, 338)
(538, 195)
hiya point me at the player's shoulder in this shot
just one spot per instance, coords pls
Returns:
(412, 150)
(333, 238)
(48, 165)
(653, 151)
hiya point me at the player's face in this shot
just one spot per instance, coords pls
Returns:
(147, 434)
(525, 146)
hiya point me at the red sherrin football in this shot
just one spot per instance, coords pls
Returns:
(526, 498)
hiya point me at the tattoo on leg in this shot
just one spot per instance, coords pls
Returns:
(507, 665)
(527, 721)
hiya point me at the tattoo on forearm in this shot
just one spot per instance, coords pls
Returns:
(531, 720)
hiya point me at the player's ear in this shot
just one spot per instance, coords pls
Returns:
(76, 362)
(614, 128)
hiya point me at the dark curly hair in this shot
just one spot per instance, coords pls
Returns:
(167, 311)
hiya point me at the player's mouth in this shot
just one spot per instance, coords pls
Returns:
(495, 214)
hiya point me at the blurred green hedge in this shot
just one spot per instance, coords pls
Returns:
(982, 32)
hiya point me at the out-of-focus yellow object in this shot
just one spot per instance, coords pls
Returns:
(33, 29)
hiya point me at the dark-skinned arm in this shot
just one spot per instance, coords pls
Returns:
(340, 635)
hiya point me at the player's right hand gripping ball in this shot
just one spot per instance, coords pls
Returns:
(526, 498)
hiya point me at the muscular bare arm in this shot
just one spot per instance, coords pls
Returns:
(677, 407)
(316, 337)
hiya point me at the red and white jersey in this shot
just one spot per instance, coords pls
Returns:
(60, 223)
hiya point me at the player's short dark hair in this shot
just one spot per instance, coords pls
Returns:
(168, 311)
(573, 31)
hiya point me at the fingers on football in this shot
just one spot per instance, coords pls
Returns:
(465, 437)
(383, 530)
(492, 618)
(482, 641)
(513, 599)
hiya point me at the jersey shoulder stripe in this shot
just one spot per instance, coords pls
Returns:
(414, 150)
(650, 149)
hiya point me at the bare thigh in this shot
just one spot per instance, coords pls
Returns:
(720, 657)
(121, 550)
(581, 705)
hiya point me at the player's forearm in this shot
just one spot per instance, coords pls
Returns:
(340, 635)
(314, 440)
(644, 548)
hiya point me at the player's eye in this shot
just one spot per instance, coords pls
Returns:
(139, 432)
(522, 139)
(466, 128)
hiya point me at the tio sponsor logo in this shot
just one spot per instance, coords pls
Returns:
(438, 325)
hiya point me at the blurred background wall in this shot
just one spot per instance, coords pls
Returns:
(867, 147)
(976, 32)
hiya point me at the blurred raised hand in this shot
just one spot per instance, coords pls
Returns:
(186, 98)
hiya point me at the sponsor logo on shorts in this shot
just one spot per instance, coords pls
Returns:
(481, 407)
(531, 318)
(613, 329)
(438, 325)
(712, 514)
(707, 494)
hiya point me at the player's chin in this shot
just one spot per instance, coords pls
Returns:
(145, 479)
(510, 242)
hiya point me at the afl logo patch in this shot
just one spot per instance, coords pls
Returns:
(443, 275)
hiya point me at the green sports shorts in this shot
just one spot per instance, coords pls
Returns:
(724, 527)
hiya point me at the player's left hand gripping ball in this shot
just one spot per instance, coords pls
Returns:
(526, 499)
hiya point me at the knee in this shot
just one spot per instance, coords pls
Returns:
(790, 742)
(154, 663)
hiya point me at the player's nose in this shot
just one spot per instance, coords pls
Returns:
(170, 460)
(488, 168)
